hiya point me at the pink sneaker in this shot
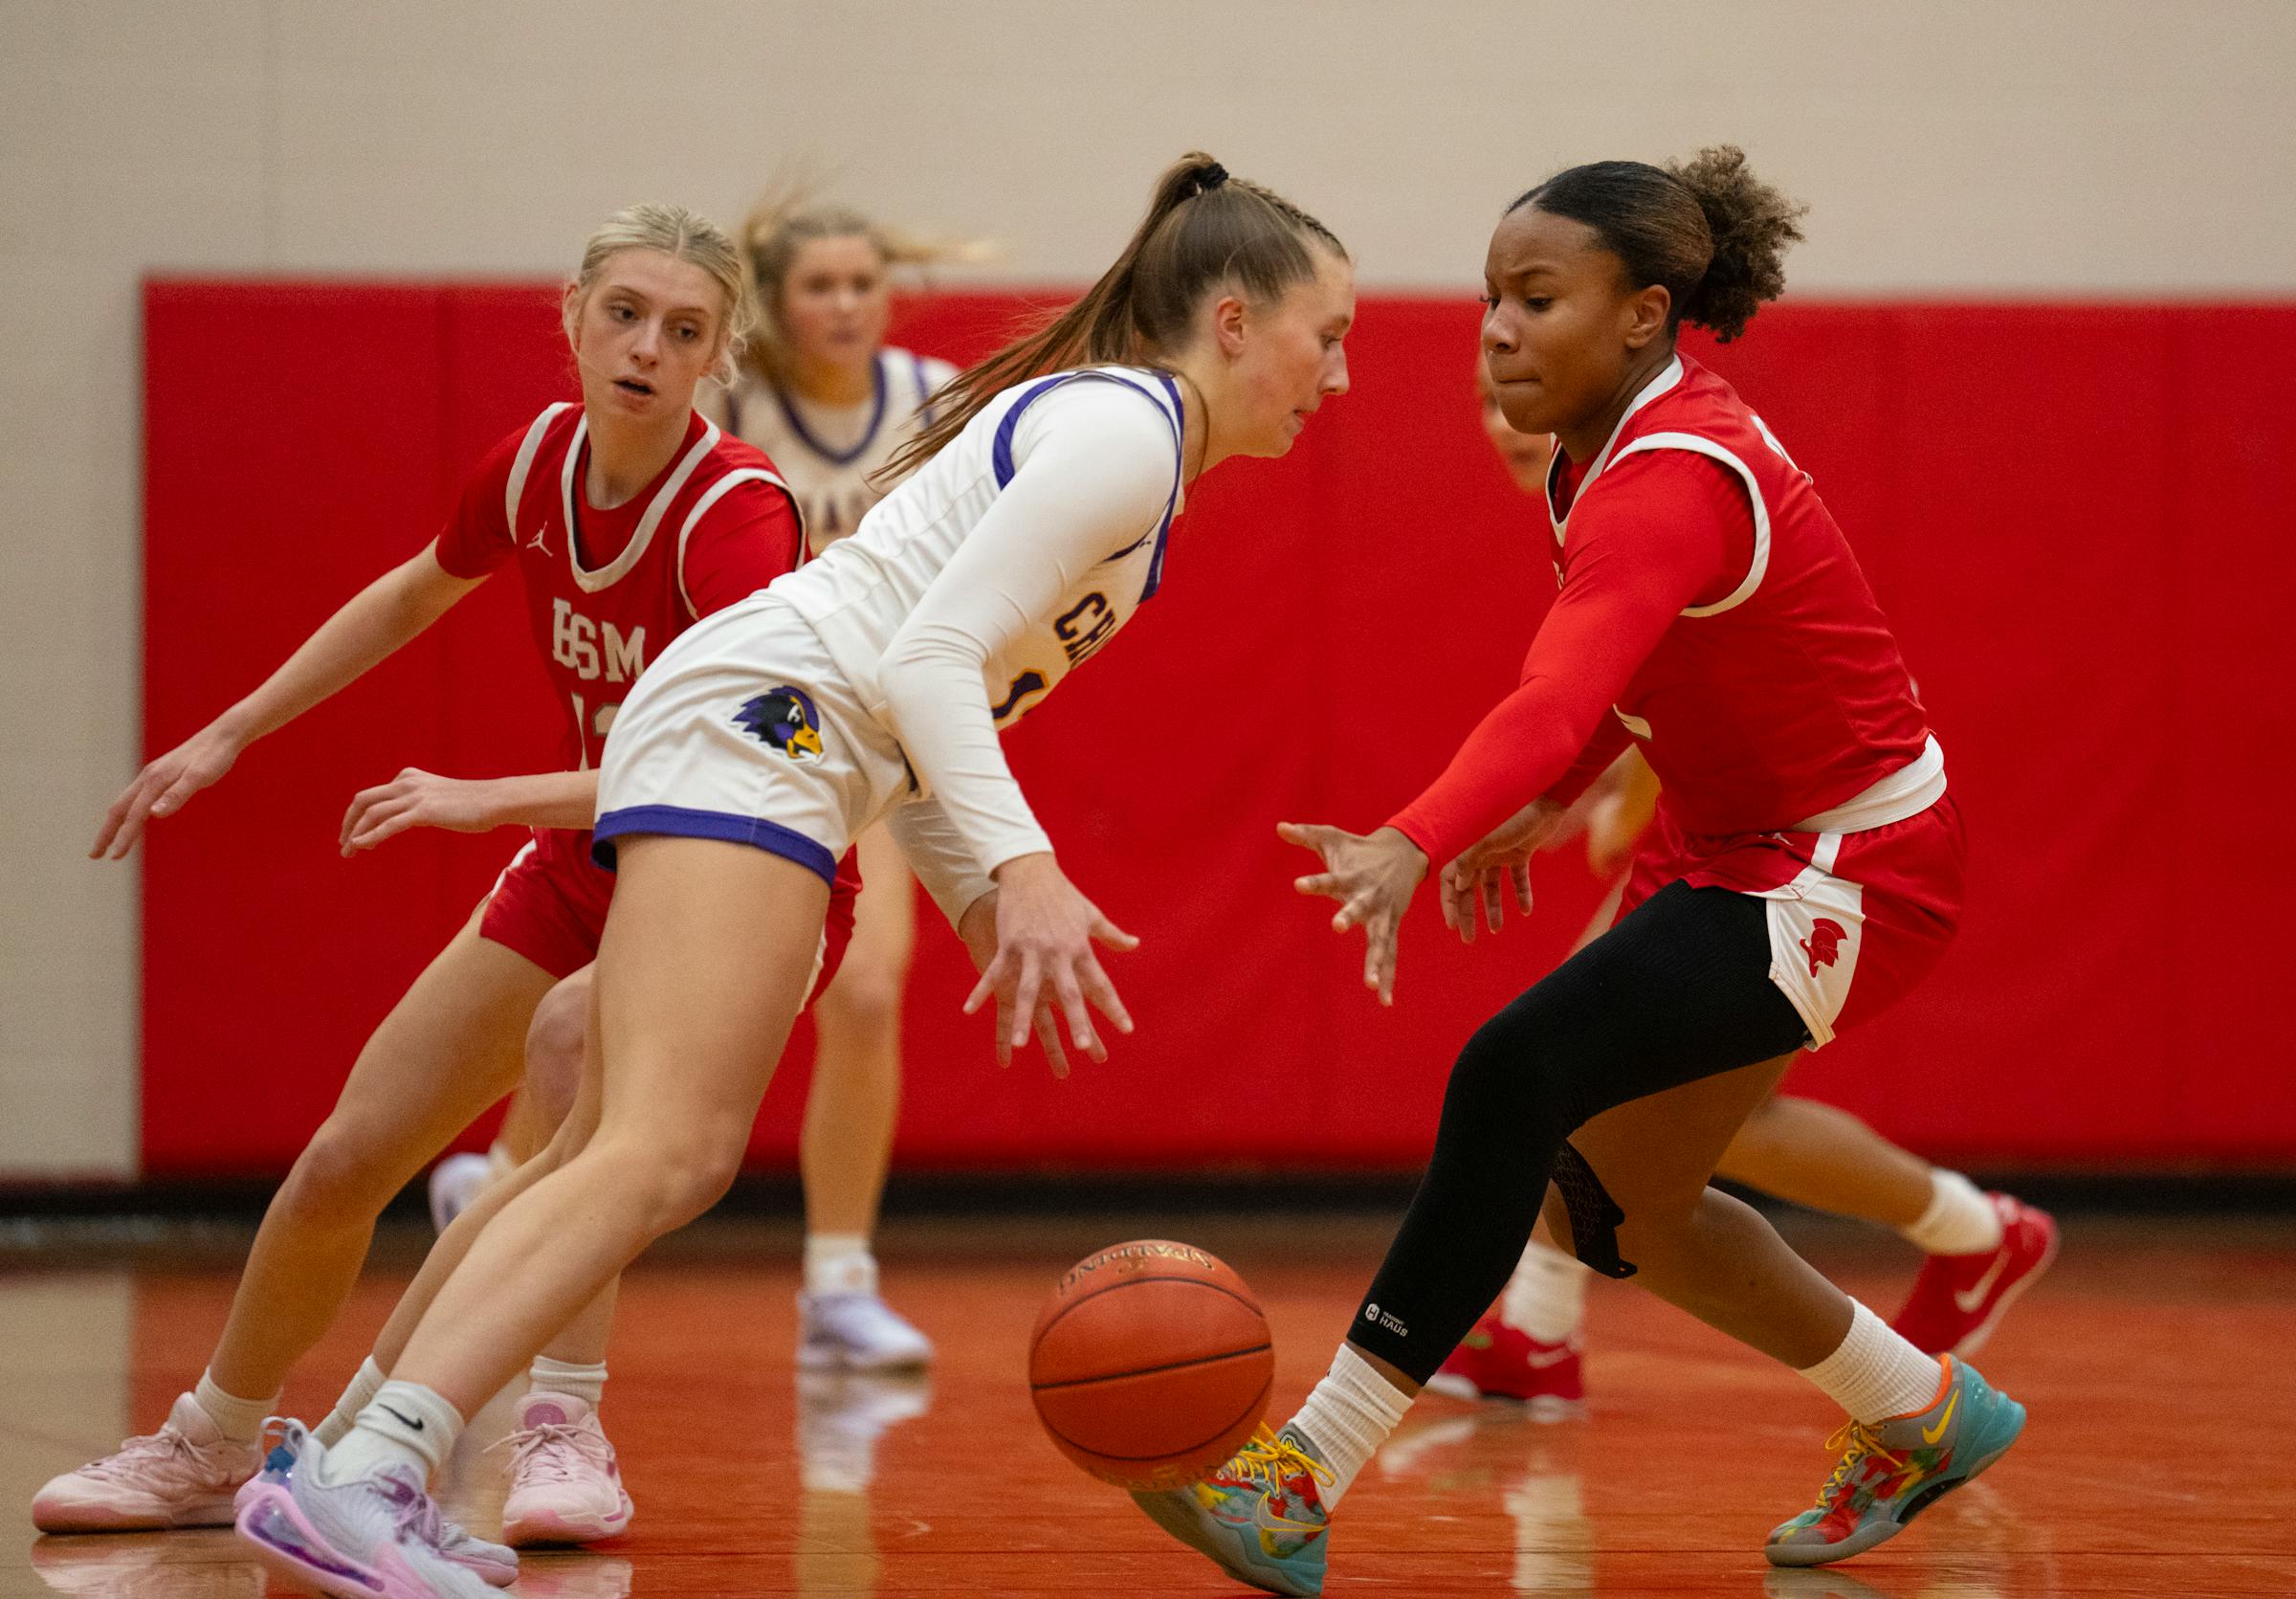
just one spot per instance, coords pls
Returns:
(1958, 1299)
(183, 1476)
(1498, 1361)
(564, 1485)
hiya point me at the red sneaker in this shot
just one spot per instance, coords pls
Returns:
(1499, 1361)
(1958, 1298)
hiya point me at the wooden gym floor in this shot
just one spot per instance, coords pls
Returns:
(2158, 1360)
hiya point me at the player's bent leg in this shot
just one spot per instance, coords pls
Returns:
(1823, 1157)
(705, 961)
(851, 1109)
(442, 1054)
(1915, 1430)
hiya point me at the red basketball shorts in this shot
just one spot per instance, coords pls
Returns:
(1856, 919)
(549, 905)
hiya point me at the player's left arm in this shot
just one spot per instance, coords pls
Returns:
(419, 799)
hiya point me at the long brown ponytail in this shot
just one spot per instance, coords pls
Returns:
(1204, 229)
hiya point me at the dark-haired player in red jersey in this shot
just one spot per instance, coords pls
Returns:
(1711, 610)
(1983, 1249)
(628, 516)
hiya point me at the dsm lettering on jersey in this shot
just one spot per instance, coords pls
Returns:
(588, 649)
(783, 718)
(1084, 627)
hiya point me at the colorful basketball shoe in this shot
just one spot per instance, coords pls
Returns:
(1958, 1299)
(853, 1330)
(183, 1476)
(1893, 1471)
(565, 1485)
(1259, 1517)
(495, 1564)
(372, 1537)
(1495, 1360)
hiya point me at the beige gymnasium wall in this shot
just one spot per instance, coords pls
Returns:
(2109, 146)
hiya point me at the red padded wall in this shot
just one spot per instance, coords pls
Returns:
(2076, 517)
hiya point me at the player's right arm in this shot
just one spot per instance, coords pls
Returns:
(376, 621)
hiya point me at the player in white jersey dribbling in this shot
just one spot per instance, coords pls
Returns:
(870, 683)
(821, 389)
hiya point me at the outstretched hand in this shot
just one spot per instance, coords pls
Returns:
(1497, 868)
(1373, 876)
(415, 799)
(161, 786)
(1045, 933)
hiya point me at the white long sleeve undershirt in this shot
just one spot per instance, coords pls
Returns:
(1094, 473)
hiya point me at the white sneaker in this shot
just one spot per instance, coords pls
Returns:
(853, 1330)
(566, 1486)
(495, 1564)
(840, 1417)
(183, 1476)
(371, 1537)
(455, 1181)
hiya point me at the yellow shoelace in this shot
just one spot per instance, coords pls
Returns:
(1855, 1440)
(1268, 1458)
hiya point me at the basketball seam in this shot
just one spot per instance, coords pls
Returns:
(1259, 1402)
(1193, 1282)
(1149, 1370)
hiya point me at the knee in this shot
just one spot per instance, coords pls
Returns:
(669, 1184)
(1511, 1075)
(556, 1043)
(864, 998)
(344, 1177)
(1663, 1227)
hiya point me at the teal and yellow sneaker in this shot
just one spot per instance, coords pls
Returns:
(1893, 1471)
(1259, 1517)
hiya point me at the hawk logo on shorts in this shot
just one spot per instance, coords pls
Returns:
(1824, 945)
(784, 719)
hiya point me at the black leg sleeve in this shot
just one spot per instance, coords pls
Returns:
(1677, 991)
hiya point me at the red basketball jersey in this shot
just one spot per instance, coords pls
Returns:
(1785, 695)
(606, 590)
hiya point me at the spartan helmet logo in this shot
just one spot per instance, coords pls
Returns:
(784, 719)
(1824, 945)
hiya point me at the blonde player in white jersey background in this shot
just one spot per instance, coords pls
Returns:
(829, 400)
(870, 682)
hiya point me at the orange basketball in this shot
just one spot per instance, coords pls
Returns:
(1151, 1363)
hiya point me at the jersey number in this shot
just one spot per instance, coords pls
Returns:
(592, 727)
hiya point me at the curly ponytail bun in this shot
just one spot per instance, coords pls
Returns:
(1752, 225)
(1707, 229)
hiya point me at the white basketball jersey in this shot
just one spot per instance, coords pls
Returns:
(860, 591)
(829, 452)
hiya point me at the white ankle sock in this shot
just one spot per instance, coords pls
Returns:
(839, 1263)
(1876, 1374)
(355, 1398)
(1348, 1417)
(1960, 1219)
(586, 1382)
(1546, 1298)
(407, 1424)
(240, 1420)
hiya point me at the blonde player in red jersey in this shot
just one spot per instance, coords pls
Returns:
(1711, 610)
(629, 516)
(1983, 1249)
